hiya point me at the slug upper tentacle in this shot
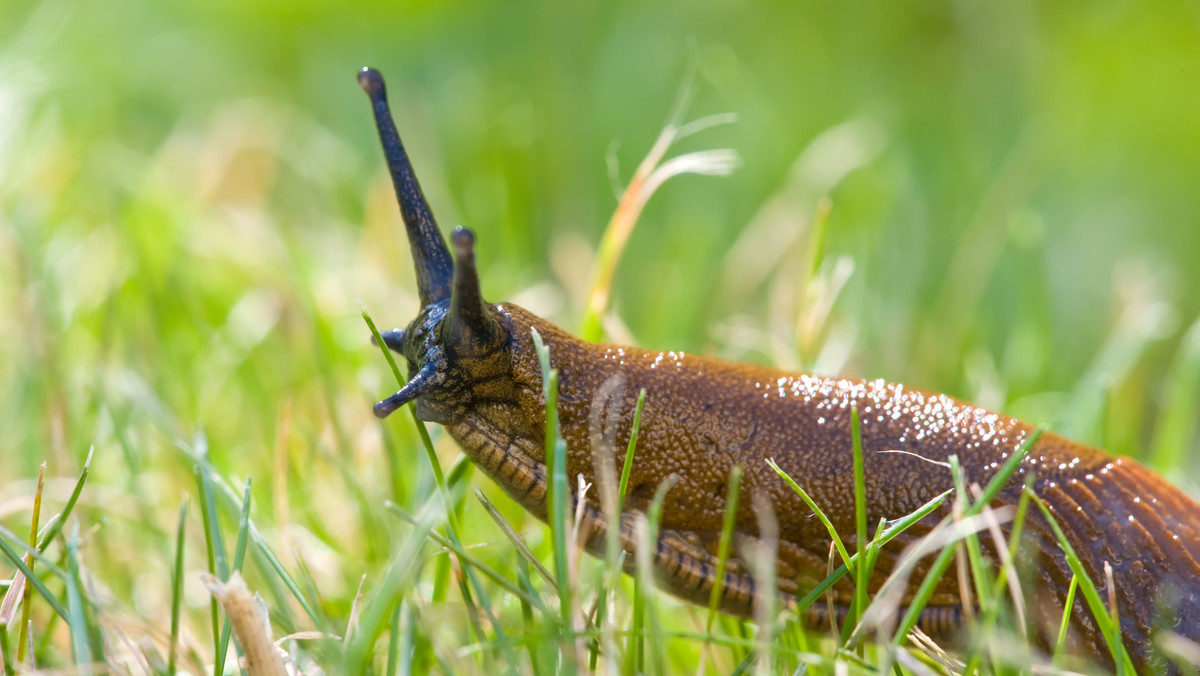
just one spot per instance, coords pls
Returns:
(434, 267)
(473, 368)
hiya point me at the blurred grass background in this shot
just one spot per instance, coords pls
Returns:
(192, 199)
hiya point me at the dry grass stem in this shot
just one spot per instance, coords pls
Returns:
(250, 626)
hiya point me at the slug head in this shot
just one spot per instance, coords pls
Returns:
(456, 340)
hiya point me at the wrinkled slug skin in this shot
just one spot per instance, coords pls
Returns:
(704, 416)
(473, 368)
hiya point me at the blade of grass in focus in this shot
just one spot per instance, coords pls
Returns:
(1109, 629)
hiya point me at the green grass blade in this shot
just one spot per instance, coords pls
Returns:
(393, 652)
(387, 354)
(980, 582)
(26, 605)
(614, 554)
(982, 585)
(860, 513)
(635, 644)
(31, 578)
(214, 545)
(460, 471)
(239, 556)
(81, 649)
(1004, 473)
(898, 527)
(942, 562)
(58, 524)
(530, 642)
(1104, 620)
(557, 495)
(262, 547)
(653, 521)
(412, 640)
(515, 538)
(1068, 607)
(470, 559)
(6, 664)
(732, 495)
(243, 537)
(276, 566)
(393, 586)
(627, 465)
(177, 586)
(847, 560)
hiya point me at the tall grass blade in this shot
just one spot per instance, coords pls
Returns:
(239, 555)
(557, 493)
(30, 577)
(847, 560)
(26, 606)
(85, 636)
(515, 538)
(860, 515)
(393, 652)
(264, 549)
(1068, 607)
(6, 663)
(994, 485)
(214, 545)
(650, 607)
(732, 495)
(627, 465)
(1104, 620)
(393, 586)
(896, 528)
(177, 586)
(58, 524)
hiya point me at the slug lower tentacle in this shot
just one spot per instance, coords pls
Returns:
(474, 369)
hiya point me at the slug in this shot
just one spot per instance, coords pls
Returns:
(473, 369)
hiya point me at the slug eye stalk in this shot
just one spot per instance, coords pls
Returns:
(435, 269)
(467, 328)
(469, 322)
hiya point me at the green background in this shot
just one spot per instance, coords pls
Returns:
(192, 200)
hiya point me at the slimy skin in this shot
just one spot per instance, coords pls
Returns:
(473, 368)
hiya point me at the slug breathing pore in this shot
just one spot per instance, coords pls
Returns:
(473, 368)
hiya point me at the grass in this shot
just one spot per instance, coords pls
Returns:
(191, 202)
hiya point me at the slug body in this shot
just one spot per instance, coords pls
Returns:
(473, 368)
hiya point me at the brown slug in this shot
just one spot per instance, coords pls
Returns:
(473, 368)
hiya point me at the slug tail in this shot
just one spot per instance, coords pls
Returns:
(1126, 516)
(430, 256)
